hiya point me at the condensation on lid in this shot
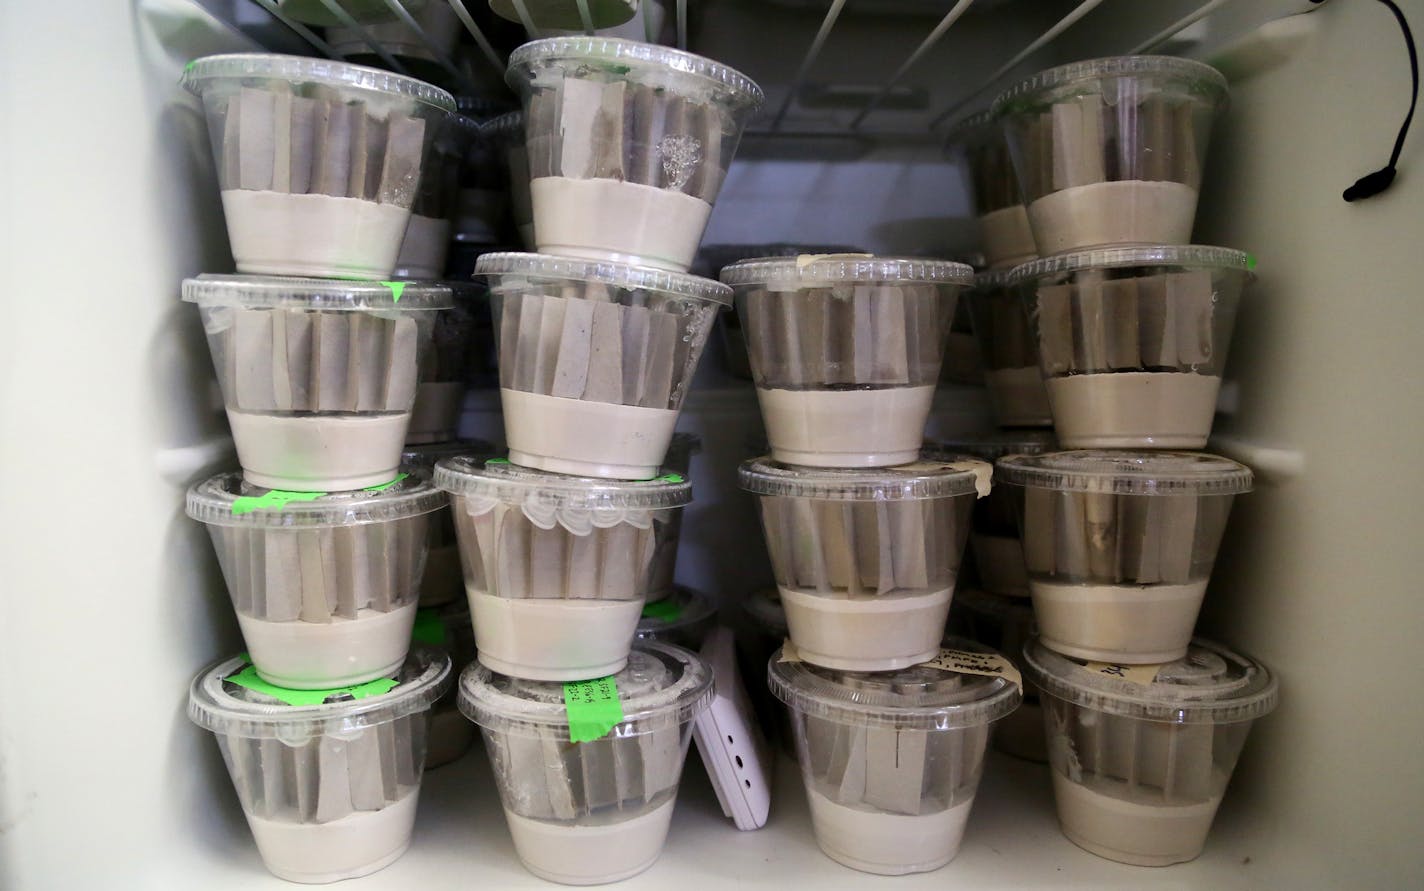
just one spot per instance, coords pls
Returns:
(499, 479)
(305, 69)
(820, 270)
(1185, 255)
(945, 477)
(267, 291)
(1126, 472)
(580, 50)
(227, 500)
(1203, 78)
(618, 275)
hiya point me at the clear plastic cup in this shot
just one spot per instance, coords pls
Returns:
(319, 377)
(891, 760)
(585, 813)
(1140, 761)
(628, 145)
(1110, 151)
(319, 161)
(994, 539)
(1004, 624)
(866, 560)
(846, 352)
(443, 581)
(683, 617)
(1004, 233)
(506, 133)
(556, 567)
(448, 628)
(446, 368)
(325, 586)
(1132, 341)
(595, 359)
(1120, 545)
(426, 244)
(1009, 351)
(328, 779)
(678, 461)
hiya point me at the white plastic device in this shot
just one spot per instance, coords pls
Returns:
(732, 746)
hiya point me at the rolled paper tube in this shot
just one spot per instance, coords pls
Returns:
(1178, 519)
(1119, 298)
(274, 777)
(556, 777)
(580, 101)
(333, 797)
(1071, 536)
(512, 552)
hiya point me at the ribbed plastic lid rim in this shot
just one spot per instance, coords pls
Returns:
(621, 275)
(269, 291)
(1189, 255)
(506, 125)
(1209, 78)
(923, 479)
(1253, 695)
(499, 479)
(743, 88)
(1126, 472)
(212, 501)
(694, 607)
(213, 708)
(313, 70)
(815, 270)
(846, 697)
(990, 446)
(426, 455)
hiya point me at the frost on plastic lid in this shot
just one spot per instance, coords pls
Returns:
(959, 475)
(265, 291)
(1188, 255)
(1211, 684)
(921, 697)
(1199, 77)
(992, 446)
(618, 275)
(661, 686)
(500, 480)
(765, 609)
(619, 56)
(817, 270)
(425, 456)
(200, 74)
(1127, 473)
(219, 705)
(226, 500)
(682, 608)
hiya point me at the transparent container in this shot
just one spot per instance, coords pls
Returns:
(595, 359)
(678, 461)
(448, 628)
(1009, 351)
(443, 581)
(556, 567)
(994, 532)
(1004, 624)
(628, 145)
(866, 560)
(585, 813)
(506, 134)
(1110, 151)
(683, 617)
(891, 761)
(426, 244)
(1004, 232)
(325, 586)
(1120, 545)
(328, 780)
(1132, 341)
(446, 368)
(319, 377)
(319, 161)
(1140, 764)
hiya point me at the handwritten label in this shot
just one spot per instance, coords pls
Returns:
(593, 708)
(988, 664)
(249, 678)
(663, 611)
(1137, 674)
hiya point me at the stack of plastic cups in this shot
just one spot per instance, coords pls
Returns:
(865, 539)
(322, 538)
(1131, 325)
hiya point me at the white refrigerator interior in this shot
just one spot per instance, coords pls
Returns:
(112, 598)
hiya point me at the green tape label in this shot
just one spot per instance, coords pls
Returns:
(669, 478)
(381, 487)
(593, 708)
(429, 628)
(663, 611)
(276, 499)
(248, 678)
(497, 461)
(1250, 261)
(397, 288)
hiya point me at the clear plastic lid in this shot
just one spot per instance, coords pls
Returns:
(1209, 685)
(222, 706)
(1201, 78)
(505, 127)
(680, 609)
(992, 446)
(921, 697)
(426, 456)
(815, 270)
(994, 279)
(303, 69)
(581, 50)
(765, 609)
(1126, 472)
(998, 606)
(945, 477)
(502, 481)
(226, 500)
(662, 686)
(1186, 255)
(619, 275)
(264, 291)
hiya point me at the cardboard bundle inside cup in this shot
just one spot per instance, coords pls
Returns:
(1140, 760)
(1084, 140)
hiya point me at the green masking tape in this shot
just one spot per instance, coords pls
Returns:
(381, 487)
(1250, 261)
(497, 461)
(663, 611)
(248, 678)
(397, 288)
(669, 478)
(593, 708)
(276, 499)
(429, 628)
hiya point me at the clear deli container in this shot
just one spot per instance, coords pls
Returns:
(595, 359)
(448, 628)
(891, 760)
(845, 352)
(446, 368)
(1110, 151)
(1132, 341)
(426, 244)
(628, 145)
(319, 161)
(1004, 233)
(1009, 351)
(443, 581)
(325, 586)
(1140, 760)
(678, 461)
(866, 560)
(1119, 546)
(319, 377)
(683, 617)
(586, 813)
(1004, 624)
(506, 136)
(556, 567)
(328, 779)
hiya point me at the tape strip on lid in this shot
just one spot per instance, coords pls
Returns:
(226, 500)
(1202, 78)
(945, 477)
(812, 270)
(503, 481)
(1186, 255)
(619, 275)
(199, 72)
(265, 291)
(1126, 472)
(581, 50)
